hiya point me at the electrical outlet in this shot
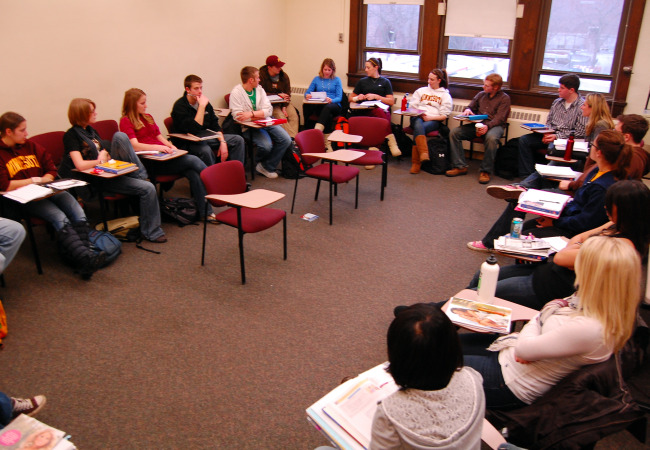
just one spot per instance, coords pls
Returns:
(340, 37)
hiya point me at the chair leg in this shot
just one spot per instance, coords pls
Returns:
(284, 235)
(331, 189)
(356, 194)
(32, 241)
(317, 190)
(205, 229)
(240, 234)
(295, 189)
(384, 179)
(471, 149)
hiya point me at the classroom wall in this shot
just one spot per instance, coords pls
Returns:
(56, 50)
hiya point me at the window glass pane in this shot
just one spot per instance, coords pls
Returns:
(477, 67)
(487, 45)
(393, 62)
(582, 35)
(393, 26)
(586, 84)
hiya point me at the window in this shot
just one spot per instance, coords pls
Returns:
(582, 38)
(392, 34)
(595, 38)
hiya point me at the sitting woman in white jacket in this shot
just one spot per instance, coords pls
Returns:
(441, 403)
(567, 334)
(436, 103)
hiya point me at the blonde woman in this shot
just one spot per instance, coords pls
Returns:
(595, 107)
(586, 328)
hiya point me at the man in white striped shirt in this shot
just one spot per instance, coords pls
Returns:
(564, 116)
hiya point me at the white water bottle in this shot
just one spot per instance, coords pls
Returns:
(487, 282)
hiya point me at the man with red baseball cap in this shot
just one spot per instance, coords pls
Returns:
(274, 80)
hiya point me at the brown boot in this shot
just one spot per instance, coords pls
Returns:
(415, 158)
(423, 148)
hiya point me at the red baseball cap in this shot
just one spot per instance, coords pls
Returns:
(273, 60)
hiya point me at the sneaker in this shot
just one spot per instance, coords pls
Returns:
(477, 246)
(456, 171)
(212, 218)
(28, 406)
(261, 170)
(159, 240)
(507, 192)
(484, 178)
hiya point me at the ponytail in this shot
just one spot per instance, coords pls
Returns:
(377, 63)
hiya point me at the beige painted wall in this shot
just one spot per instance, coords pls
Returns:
(56, 50)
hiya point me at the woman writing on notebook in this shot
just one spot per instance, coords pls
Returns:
(586, 328)
(436, 103)
(330, 84)
(84, 149)
(440, 402)
(586, 211)
(627, 204)
(145, 135)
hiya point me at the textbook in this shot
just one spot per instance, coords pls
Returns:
(26, 432)
(536, 127)
(478, 316)
(115, 166)
(345, 414)
(473, 118)
(542, 203)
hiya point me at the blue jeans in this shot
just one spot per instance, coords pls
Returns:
(271, 144)
(122, 149)
(497, 393)
(421, 127)
(205, 150)
(191, 167)
(515, 284)
(6, 410)
(59, 210)
(529, 144)
(467, 132)
(12, 235)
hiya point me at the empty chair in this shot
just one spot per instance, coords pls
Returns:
(229, 178)
(374, 131)
(311, 141)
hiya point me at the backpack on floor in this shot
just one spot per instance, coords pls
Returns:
(438, 162)
(102, 241)
(183, 211)
(3, 324)
(292, 163)
(506, 162)
(404, 142)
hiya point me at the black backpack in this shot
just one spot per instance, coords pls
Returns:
(292, 163)
(438, 162)
(506, 162)
(183, 211)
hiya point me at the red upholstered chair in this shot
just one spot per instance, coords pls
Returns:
(229, 178)
(53, 144)
(311, 141)
(374, 131)
(106, 128)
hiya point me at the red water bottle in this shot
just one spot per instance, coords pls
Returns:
(569, 147)
(404, 102)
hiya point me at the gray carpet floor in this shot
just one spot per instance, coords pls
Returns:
(157, 351)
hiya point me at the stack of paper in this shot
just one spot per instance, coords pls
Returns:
(28, 193)
(542, 203)
(563, 172)
(578, 146)
(526, 248)
(376, 103)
